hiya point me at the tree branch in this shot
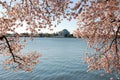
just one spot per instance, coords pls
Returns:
(5, 42)
(9, 47)
(116, 36)
(4, 37)
(114, 40)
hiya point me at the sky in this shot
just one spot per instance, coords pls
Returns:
(69, 25)
(65, 24)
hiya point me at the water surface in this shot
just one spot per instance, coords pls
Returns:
(62, 59)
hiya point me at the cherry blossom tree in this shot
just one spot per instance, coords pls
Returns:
(36, 14)
(98, 21)
(99, 25)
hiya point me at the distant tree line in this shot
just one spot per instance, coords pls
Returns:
(60, 34)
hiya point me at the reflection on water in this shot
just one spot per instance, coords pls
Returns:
(61, 60)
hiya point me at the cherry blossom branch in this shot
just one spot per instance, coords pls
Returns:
(5, 42)
(9, 47)
(114, 40)
(116, 36)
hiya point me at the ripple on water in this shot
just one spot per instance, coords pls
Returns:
(61, 60)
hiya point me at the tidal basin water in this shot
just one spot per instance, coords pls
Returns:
(62, 59)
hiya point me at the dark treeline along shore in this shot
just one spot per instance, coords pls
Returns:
(61, 34)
